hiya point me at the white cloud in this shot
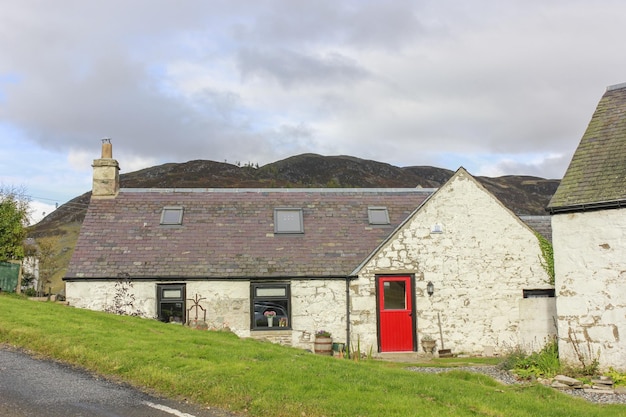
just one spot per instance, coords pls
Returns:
(39, 210)
(502, 87)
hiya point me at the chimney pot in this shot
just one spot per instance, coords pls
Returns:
(107, 149)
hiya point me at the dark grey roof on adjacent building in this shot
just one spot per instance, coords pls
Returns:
(229, 233)
(540, 224)
(596, 177)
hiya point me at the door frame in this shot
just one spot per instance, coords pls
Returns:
(411, 295)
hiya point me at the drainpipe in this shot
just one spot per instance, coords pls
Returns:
(347, 313)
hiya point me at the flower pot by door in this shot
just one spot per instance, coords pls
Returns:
(323, 346)
(270, 322)
(428, 346)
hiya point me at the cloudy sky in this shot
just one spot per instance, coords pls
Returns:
(499, 87)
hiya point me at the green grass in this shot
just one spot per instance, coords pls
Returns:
(264, 379)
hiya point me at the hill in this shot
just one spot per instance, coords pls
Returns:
(524, 195)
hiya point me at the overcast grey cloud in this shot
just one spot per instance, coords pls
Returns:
(497, 87)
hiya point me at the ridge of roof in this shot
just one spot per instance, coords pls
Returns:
(278, 190)
(616, 87)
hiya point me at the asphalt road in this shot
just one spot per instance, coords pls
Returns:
(41, 388)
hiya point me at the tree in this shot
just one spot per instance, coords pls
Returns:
(13, 221)
(48, 264)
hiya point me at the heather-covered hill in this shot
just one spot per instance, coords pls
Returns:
(524, 195)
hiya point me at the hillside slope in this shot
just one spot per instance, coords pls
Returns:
(523, 195)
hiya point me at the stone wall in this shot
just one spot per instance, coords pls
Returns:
(316, 304)
(590, 264)
(538, 320)
(480, 258)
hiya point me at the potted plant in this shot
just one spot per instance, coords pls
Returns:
(270, 314)
(323, 343)
(428, 344)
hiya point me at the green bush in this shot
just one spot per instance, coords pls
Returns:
(30, 292)
(544, 363)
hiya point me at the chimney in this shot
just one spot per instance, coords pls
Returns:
(106, 173)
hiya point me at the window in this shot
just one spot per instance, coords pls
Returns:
(288, 220)
(394, 297)
(172, 215)
(171, 303)
(378, 215)
(271, 306)
(549, 292)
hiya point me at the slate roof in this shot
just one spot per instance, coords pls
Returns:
(596, 177)
(229, 233)
(540, 224)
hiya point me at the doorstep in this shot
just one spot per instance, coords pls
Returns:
(401, 357)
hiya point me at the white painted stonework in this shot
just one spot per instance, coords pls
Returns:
(590, 264)
(479, 264)
(316, 305)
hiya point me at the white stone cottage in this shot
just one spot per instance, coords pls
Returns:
(490, 291)
(589, 238)
(355, 262)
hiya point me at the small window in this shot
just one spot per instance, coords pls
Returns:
(549, 292)
(378, 215)
(271, 306)
(171, 303)
(172, 215)
(288, 220)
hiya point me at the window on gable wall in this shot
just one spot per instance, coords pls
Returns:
(271, 306)
(172, 215)
(378, 215)
(288, 220)
(540, 293)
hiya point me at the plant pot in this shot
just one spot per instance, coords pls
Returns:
(270, 322)
(429, 346)
(323, 346)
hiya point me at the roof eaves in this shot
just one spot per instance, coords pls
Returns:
(602, 205)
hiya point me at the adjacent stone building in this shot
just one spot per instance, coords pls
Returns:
(589, 238)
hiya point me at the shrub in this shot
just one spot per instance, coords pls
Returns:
(30, 292)
(544, 363)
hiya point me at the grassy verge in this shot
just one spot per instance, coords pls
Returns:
(263, 379)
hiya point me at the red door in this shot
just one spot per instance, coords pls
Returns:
(396, 321)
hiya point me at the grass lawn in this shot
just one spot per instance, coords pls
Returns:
(263, 379)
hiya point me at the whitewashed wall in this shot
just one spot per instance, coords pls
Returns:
(538, 320)
(590, 263)
(316, 305)
(479, 265)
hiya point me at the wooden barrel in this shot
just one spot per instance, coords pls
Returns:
(323, 346)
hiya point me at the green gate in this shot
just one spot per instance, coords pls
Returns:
(9, 276)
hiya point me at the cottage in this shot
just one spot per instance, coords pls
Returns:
(281, 264)
(589, 237)
(473, 272)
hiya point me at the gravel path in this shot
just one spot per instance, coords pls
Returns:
(507, 377)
